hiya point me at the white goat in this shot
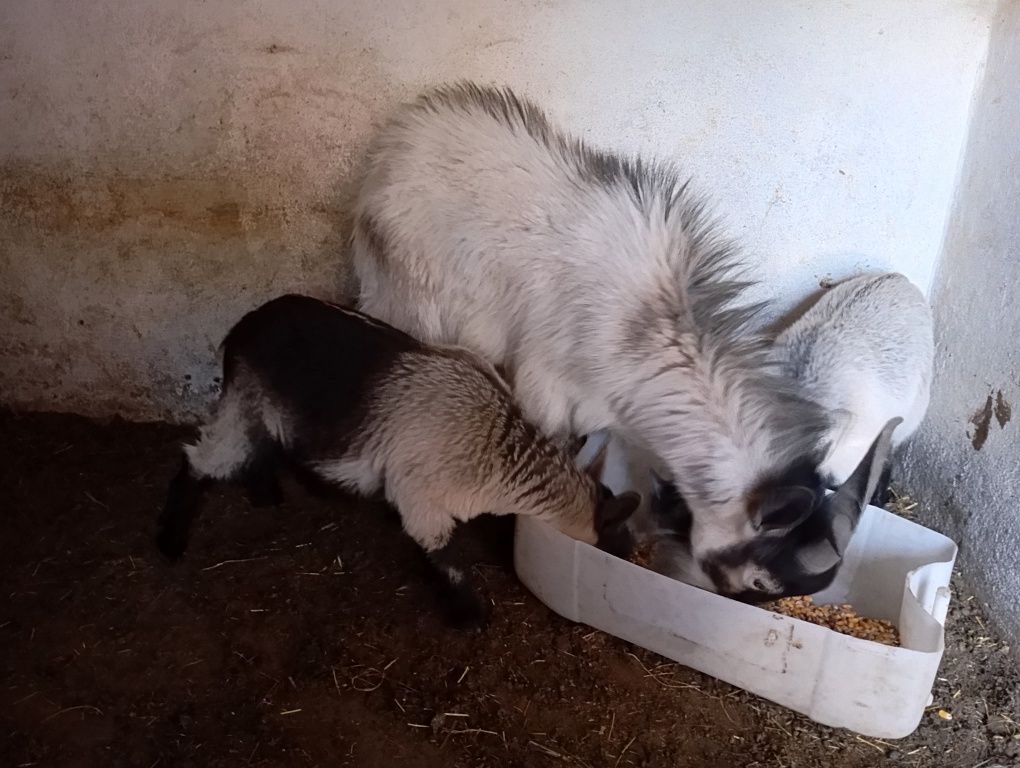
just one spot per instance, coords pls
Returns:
(864, 352)
(603, 290)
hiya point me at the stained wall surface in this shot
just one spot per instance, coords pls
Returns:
(964, 464)
(166, 166)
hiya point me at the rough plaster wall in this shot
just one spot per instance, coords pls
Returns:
(964, 464)
(165, 166)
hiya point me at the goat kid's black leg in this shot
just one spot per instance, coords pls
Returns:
(260, 479)
(179, 512)
(460, 604)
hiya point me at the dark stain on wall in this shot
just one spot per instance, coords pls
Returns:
(981, 421)
(1003, 410)
(82, 204)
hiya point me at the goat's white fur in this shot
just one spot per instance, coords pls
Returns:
(425, 442)
(864, 351)
(597, 283)
(224, 445)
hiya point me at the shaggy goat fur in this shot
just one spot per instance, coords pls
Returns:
(600, 285)
(864, 352)
(366, 407)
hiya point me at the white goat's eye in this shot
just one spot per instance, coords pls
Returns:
(759, 585)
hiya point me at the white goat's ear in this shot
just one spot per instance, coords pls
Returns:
(783, 508)
(847, 504)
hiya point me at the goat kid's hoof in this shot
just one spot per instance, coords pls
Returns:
(467, 616)
(263, 496)
(171, 545)
(264, 502)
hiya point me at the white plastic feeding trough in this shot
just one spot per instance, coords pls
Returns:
(894, 569)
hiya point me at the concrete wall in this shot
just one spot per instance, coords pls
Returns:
(165, 166)
(964, 464)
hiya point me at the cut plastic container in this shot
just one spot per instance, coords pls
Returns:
(894, 569)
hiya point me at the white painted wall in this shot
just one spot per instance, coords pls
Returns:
(964, 464)
(168, 165)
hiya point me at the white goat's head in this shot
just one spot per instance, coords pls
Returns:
(791, 538)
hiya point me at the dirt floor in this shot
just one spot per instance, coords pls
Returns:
(305, 636)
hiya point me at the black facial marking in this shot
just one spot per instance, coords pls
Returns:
(777, 554)
(779, 558)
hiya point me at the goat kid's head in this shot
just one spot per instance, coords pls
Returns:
(794, 536)
(611, 511)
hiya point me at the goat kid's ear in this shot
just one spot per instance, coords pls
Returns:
(614, 511)
(783, 508)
